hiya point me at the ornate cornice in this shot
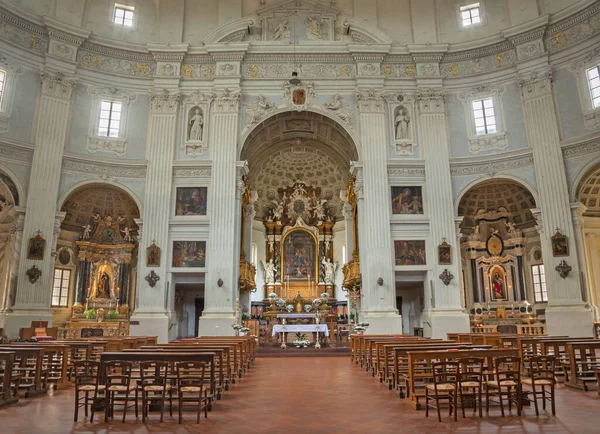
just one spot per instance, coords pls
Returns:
(66, 37)
(192, 172)
(582, 148)
(395, 169)
(100, 167)
(111, 91)
(16, 152)
(485, 89)
(573, 20)
(113, 52)
(478, 52)
(479, 165)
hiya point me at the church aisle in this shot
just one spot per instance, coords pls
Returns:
(306, 395)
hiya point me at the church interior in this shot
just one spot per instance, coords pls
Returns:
(203, 202)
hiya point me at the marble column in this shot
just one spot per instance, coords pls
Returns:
(593, 269)
(249, 213)
(378, 306)
(10, 265)
(348, 229)
(83, 279)
(448, 313)
(566, 312)
(223, 247)
(53, 115)
(124, 283)
(151, 314)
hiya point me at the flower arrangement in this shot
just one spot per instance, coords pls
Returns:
(237, 327)
(280, 303)
(244, 330)
(359, 329)
(301, 341)
(318, 302)
(272, 296)
(289, 308)
(112, 314)
(325, 296)
(363, 324)
(89, 314)
(307, 308)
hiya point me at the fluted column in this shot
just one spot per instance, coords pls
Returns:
(53, 114)
(376, 262)
(151, 311)
(447, 313)
(223, 248)
(566, 312)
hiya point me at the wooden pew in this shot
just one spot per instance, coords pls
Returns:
(28, 364)
(239, 353)
(7, 359)
(381, 356)
(584, 358)
(419, 366)
(356, 345)
(532, 346)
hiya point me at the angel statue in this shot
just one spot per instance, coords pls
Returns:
(330, 268)
(277, 211)
(87, 231)
(269, 271)
(127, 234)
(319, 210)
(281, 31)
(257, 110)
(340, 109)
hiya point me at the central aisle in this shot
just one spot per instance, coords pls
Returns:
(304, 395)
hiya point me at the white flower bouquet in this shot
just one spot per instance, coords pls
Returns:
(272, 296)
(301, 341)
(289, 308)
(280, 303)
(237, 327)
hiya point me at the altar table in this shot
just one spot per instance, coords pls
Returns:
(296, 315)
(300, 328)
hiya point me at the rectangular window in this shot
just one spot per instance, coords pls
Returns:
(539, 283)
(485, 118)
(2, 82)
(470, 14)
(124, 15)
(60, 287)
(593, 76)
(110, 119)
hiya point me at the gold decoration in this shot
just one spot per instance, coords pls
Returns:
(500, 58)
(410, 71)
(561, 40)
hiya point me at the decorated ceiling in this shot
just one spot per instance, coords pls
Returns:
(589, 193)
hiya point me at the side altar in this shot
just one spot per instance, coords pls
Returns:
(106, 251)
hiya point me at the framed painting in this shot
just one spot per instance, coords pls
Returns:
(189, 254)
(444, 254)
(407, 200)
(498, 283)
(190, 201)
(153, 256)
(560, 245)
(409, 252)
(299, 258)
(37, 245)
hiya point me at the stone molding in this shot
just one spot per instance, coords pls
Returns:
(192, 172)
(477, 165)
(487, 142)
(120, 168)
(57, 85)
(371, 100)
(16, 152)
(581, 148)
(164, 102)
(111, 91)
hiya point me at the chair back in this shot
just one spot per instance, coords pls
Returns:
(154, 373)
(445, 373)
(190, 374)
(117, 373)
(542, 368)
(87, 373)
(471, 369)
(508, 368)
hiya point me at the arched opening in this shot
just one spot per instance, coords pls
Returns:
(95, 265)
(299, 169)
(503, 273)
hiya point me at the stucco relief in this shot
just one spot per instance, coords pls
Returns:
(104, 169)
(258, 109)
(164, 102)
(199, 71)
(284, 70)
(22, 38)
(478, 65)
(488, 143)
(339, 109)
(495, 166)
(592, 120)
(95, 144)
(91, 60)
(536, 84)
(577, 29)
(399, 70)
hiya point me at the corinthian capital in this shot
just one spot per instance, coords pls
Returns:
(164, 101)
(536, 84)
(57, 85)
(431, 100)
(370, 100)
(227, 101)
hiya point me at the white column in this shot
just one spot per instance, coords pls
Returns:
(447, 311)
(223, 248)
(593, 268)
(566, 312)
(152, 312)
(53, 114)
(245, 296)
(375, 239)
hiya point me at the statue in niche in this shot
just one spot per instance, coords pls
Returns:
(195, 125)
(313, 28)
(269, 271)
(280, 30)
(401, 122)
(103, 286)
(329, 270)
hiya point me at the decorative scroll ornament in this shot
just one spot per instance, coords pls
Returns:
(446, 277)
(227, 101)
(538, 83)
(370, 100)
(34, 273)
(563, 269)
(164, 102)
(152, 278)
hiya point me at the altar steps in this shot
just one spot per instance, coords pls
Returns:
(291, 351)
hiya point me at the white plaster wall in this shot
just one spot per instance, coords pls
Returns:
(40, 7)
(23, 106)
(393, 17)
(450, 29)
(458, 138)
(201, 18)
(514, 118)
(568, 103)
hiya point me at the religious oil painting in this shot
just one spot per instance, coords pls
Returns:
(410, 252)
(153, 256)
(407, 200)
(190, 201)
(37, 245)
(560, 244)
(299, 255)
(498, 283)
(189, 254)
(444, 254)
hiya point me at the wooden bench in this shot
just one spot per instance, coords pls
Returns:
(28, 364)
(584, 359)
(237, 347)
(7, 396)
(382, 356)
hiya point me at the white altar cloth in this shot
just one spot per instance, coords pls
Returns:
(296, 315)
(300, 328)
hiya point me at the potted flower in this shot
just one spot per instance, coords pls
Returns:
(272, 296)
(359, 329)
(301, 341)
(289, 308)
(237, 327)
(243, 331)
(307, 308)
(280, 303)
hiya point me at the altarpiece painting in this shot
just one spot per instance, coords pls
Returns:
(299, 255)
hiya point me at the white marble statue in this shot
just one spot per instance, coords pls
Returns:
(127, 234)
(269, 271)
(319, 210)
(402, 120)
(87, 231)
(277, 211)
(196, 124)
(313, 28)
(258, 109)
(281, 31)
(339, 108)
(329, 270)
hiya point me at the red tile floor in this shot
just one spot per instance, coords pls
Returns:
(307, 395)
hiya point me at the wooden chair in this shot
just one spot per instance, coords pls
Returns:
(470, 382)
(542, 376)
(445, 386)
(154, 387)
(190, 387)
(87, 379)
(507, 383)
(117, 376)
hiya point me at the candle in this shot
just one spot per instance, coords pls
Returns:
(87, 302)
(308, 282)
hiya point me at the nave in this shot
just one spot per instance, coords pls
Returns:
(308, 395)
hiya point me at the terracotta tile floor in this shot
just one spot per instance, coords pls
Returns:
(307, 395)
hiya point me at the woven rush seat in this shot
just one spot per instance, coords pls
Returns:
(469, 383)
(539, 381)
(503, 383)
(91, 388)
(442, 386)
(157, 388)
(190, 389)
(118, 388)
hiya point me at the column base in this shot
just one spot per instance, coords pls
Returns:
(152, 324)
(216, 324)
(21, 318)
(575, 321)
(436, 323)
(381, 322)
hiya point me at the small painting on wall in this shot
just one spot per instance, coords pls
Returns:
(444, 254)
(189, 254)
(407, 200)
(37, 246)
(409, 252)
(190, 201)
(560, 244)
(153, 255)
